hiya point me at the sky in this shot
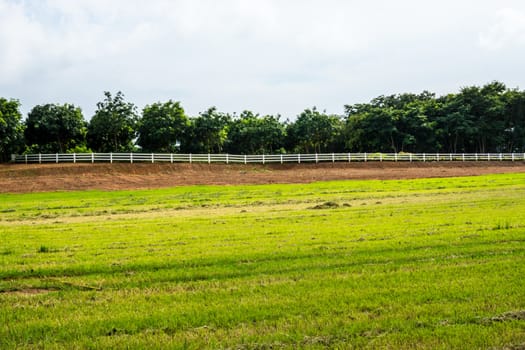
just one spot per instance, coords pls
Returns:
(267, 56)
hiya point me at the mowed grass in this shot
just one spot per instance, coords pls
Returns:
(430, 263)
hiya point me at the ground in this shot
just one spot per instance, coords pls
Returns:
(17, 178)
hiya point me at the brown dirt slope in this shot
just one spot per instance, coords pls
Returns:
(17, 178)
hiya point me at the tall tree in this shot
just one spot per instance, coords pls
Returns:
(252, 134)
(514, 132)
(313, 131)
(11, 128)
(208, 132)
(162, 126)
(113, 127)
(53, 128)
(370, 129)
(485, 109)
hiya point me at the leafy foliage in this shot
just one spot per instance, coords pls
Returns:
(113, 127)
(54, 128)
(11, 128)
(252, 134)
(313, 131)
(490, 118)
(208, 132)
(162, 126)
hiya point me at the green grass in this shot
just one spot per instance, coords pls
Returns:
(431, 263)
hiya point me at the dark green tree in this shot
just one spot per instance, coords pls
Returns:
(370, 129)
(514, 129)
(313, 131)
(484, 109)
(54, 128)
(455, 128)
(113, 127)
(207, 133)
(252, 134)
(11, 128)
(162, 126)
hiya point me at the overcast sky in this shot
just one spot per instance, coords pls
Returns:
(268, 56)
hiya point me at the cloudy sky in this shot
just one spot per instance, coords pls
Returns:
(268, 56)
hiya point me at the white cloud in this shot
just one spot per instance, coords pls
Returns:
(267, 55)
(21, 39)
(508, 30)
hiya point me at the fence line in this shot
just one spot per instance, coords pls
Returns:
(261, 158)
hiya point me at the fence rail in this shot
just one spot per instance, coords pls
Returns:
(261, 158)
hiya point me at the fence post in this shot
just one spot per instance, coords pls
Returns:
(316, 158)
(380, 157)
(500, 157)
(333, 157)
(410, 157)
(299, 158)
(209, 159)
(281, 159)
(349, 157)
(245, 160)
(190, 158)
(131, 157)
(365, 157)
(92, 157)
(171, 158)
(111, 157)
(263, 158)
(463, 156)
(74, 157)
(476, 157)
(488, 157)
(437, 157)
(25, 156)
(39, 158)
(152, 158)
(227, 159)
(56, 157)
(424, 157)
(512, 156)
(450, 154)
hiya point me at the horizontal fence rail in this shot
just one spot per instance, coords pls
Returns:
(261, 158)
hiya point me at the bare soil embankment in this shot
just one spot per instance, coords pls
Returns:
(19, 178)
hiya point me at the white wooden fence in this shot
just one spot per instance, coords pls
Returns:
(262, 158)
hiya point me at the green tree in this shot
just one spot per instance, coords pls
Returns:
(252, 134)
(313, 131)
(161, 126)
(370, 129)
(53, 128)
(11, 128)
(207, 133)
(514, 129)
(455, 128)
(484, 108)
(113, 127)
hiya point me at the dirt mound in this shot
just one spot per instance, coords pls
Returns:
(16, 178)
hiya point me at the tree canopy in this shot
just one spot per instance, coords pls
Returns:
(477, 119)
(252, 134)
(162, 127)
(54, 128)
(11, 128)
(113, 127)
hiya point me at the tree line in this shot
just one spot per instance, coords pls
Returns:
(490, 118)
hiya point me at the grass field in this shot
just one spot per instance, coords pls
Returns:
(430, 263)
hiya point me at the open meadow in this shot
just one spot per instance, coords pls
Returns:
(421, 263)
